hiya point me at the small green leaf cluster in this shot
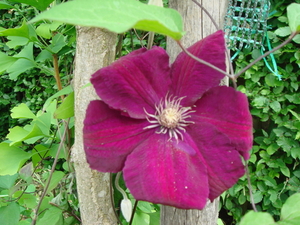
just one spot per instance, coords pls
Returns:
(275, 105)
(290, 214)
(26, 59)
(37, 181)
(26, 166)
(36, 177)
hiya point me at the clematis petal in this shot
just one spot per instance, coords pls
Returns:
(161, 171)
(134, 82)
(228, 111)
(109, 137)
(223, 163)
(191, 78)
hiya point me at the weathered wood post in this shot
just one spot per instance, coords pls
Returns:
(95, 49)
(197, 25)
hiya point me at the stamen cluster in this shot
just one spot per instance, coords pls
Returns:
(170, 117)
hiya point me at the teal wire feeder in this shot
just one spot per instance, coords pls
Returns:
(245, 26)
(246, 23)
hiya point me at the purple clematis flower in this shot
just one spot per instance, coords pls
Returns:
(175, 133)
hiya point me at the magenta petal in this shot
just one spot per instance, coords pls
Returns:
(109, 137)
(223, 163)
(191, 78)
(135, 82)
(159, 171)
(228, 111)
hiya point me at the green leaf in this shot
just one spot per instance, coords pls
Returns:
(8, 181)
(255, 218)
(26, 200)
(117, 16)
(260, 101)
(26, 53)
(275, 106)
(18, 134)
(283, 31)
(6, 61)
(220, 222)
(40, 5)
(66, 109)
(4, 5)
(293, 14)
(285, 171)
(22, 111)
(155, 218)
(64, 91)
(56, 178)
(295, 152)
(44, 31)
(257, 196)
(11, 159)
(291, 208)
(20, 66)
(141, 218)
(10, 214)
(16, 41)
(297, 39)
(22, 31)
(43, 56)
(24, 222)
(53, 151)
(146, 207)
(52, 217)
(58, 42)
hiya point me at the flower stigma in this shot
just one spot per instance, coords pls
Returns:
(170, 117)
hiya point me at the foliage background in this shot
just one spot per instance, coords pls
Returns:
(275, 106)
(274, 164)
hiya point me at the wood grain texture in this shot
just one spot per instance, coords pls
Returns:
(197, 26)
(95, 49)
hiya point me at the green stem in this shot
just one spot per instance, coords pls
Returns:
(290, 38)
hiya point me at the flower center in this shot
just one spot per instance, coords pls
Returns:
(170, 117)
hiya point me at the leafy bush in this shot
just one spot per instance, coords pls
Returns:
(275, 105)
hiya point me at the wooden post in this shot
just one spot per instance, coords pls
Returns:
(197, 25)
(95, 49)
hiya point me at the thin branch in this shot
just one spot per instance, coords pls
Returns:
(290, 38)
(204, 62)
(67, 211)
(133, 212)
(50, 176)
(250, 187)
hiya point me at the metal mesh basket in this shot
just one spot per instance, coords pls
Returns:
(246, 23)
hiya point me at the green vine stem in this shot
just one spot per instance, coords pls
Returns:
(290, 38)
